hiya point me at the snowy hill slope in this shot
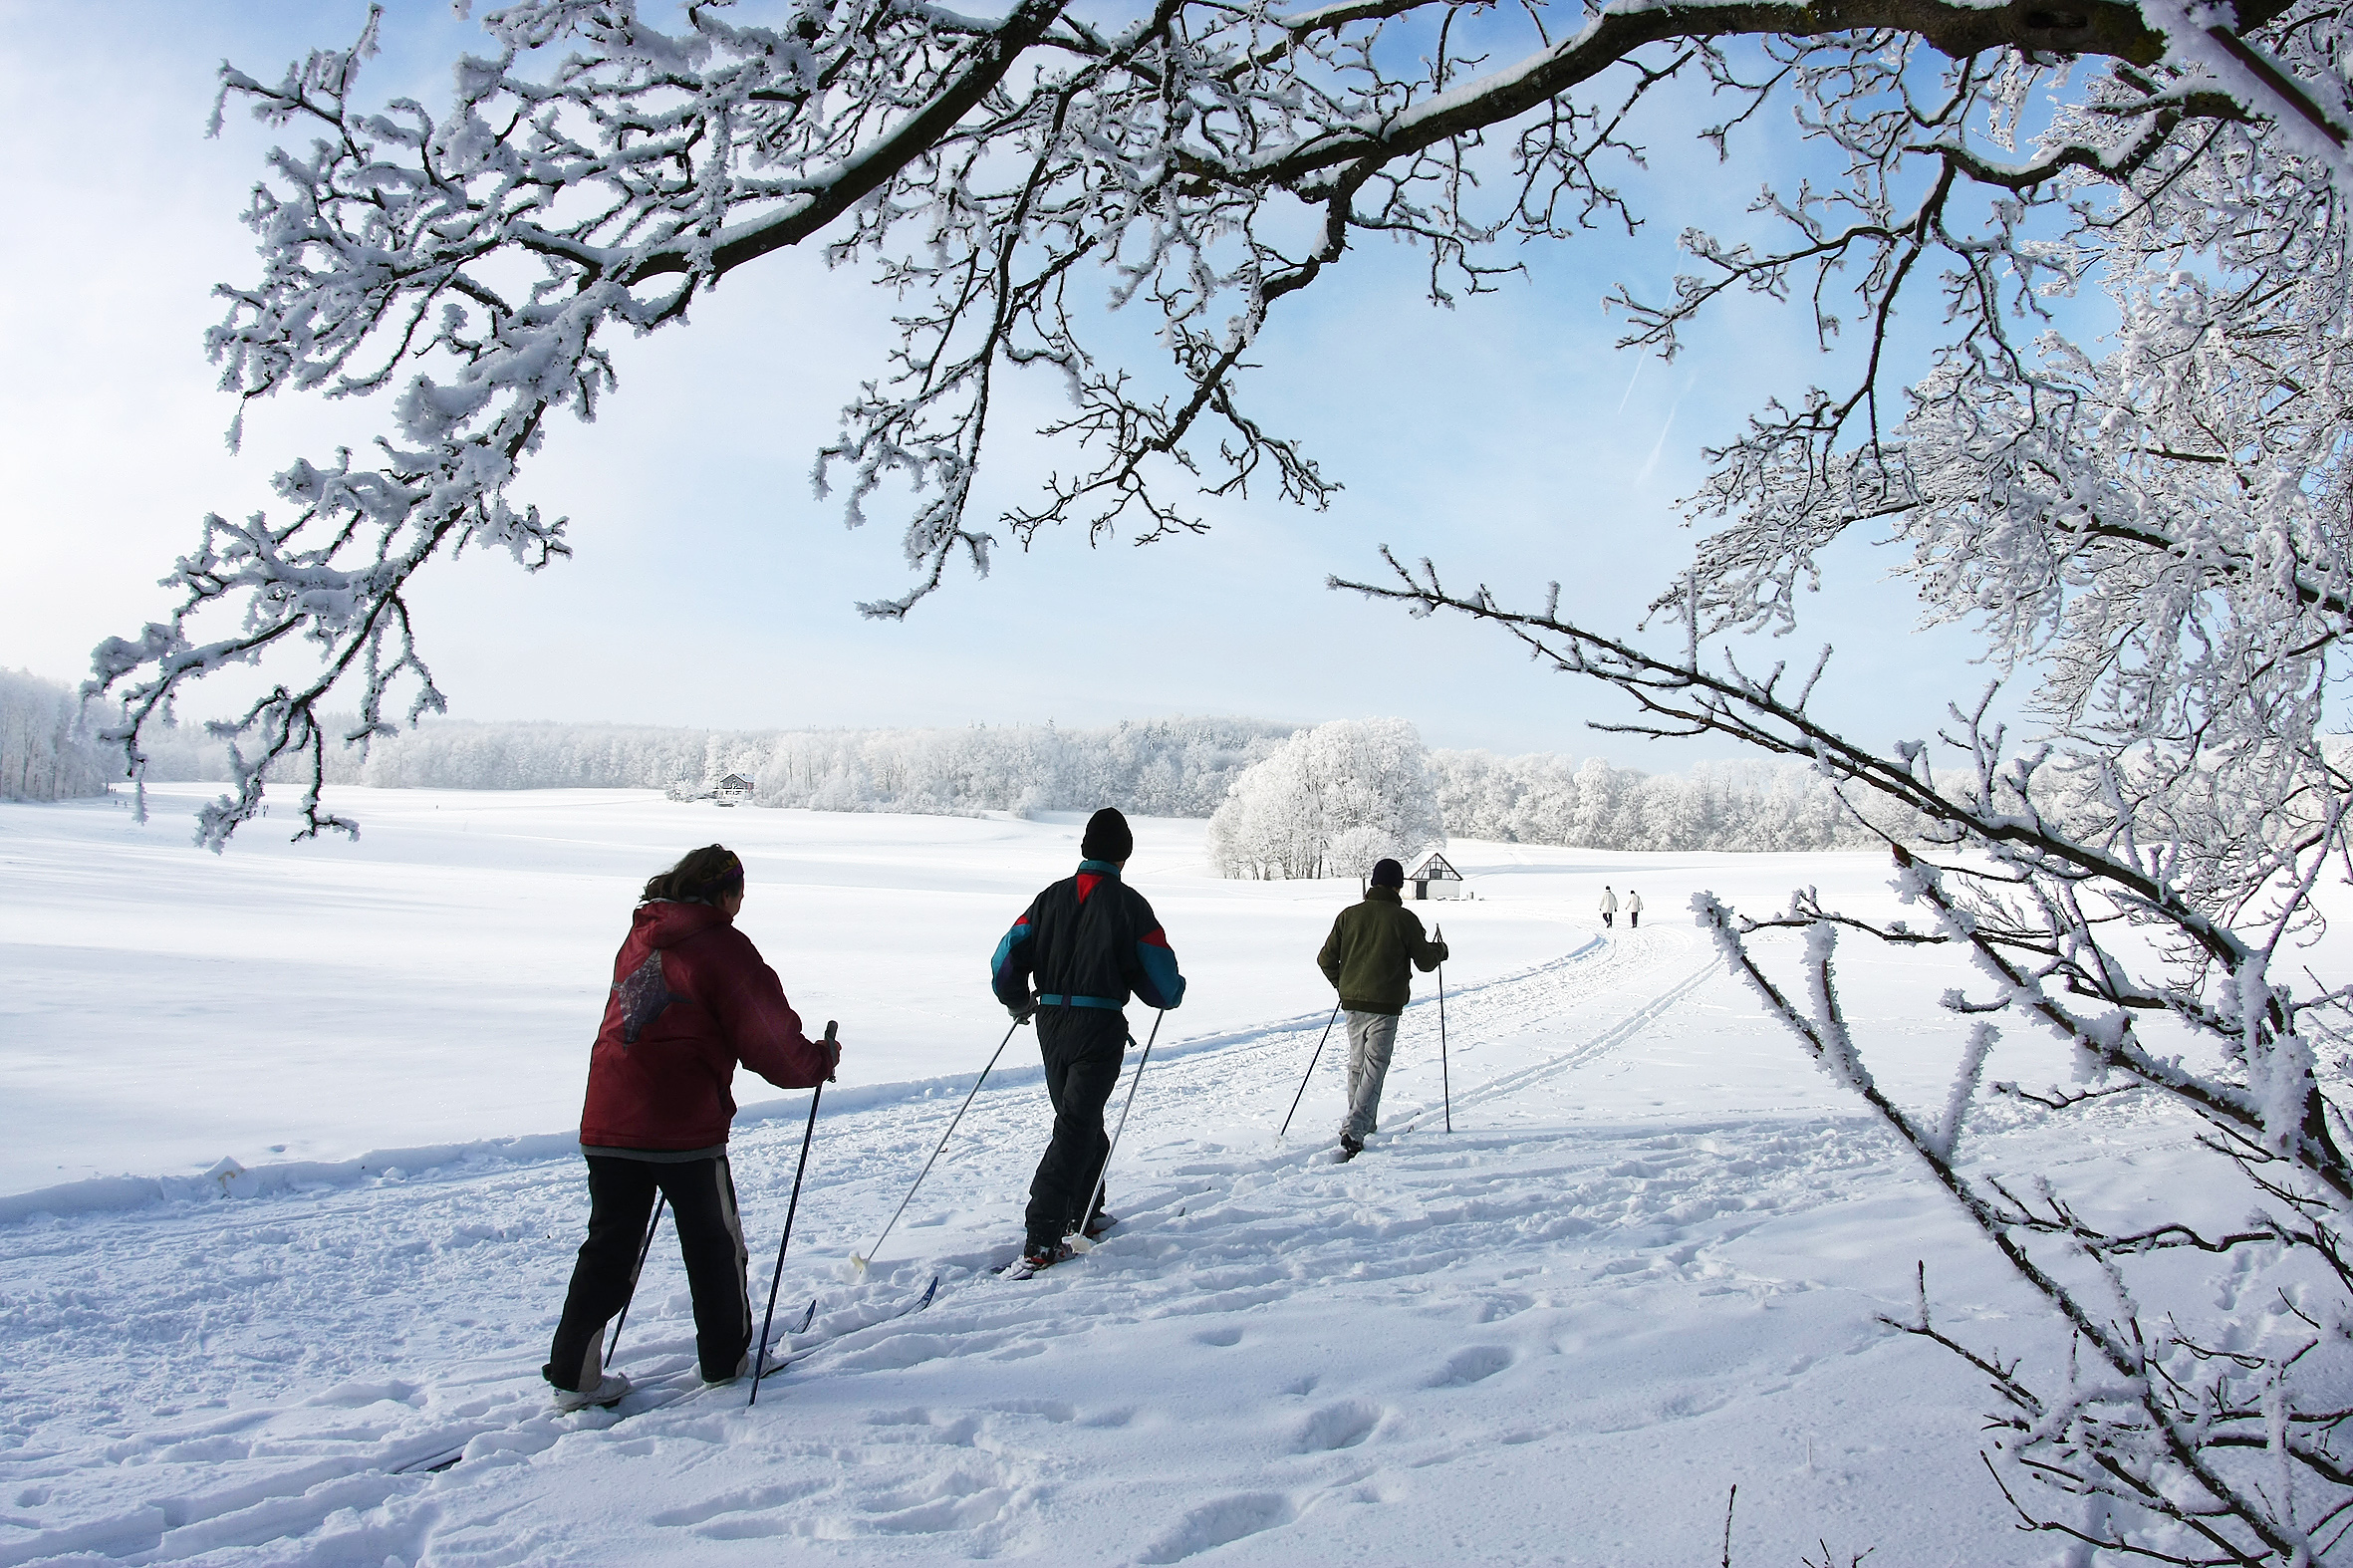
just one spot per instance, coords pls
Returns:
(1648, 1263)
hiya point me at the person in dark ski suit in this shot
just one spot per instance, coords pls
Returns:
(1369, 959)
(1087, 943)
(690, 999)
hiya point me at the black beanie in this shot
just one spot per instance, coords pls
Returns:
(1107, 838)
(1388, 874)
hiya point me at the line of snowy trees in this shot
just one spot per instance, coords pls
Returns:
(1176, 767)
(1716, 806)
(1283, 802)
(544, 757)
(46, 751)
(454, 754)
(1334, 799)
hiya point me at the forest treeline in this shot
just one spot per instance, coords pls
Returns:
(46, 752)
(1176, 767)
(1546, 798)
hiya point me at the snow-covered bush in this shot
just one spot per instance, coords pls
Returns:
(46, 751)
(1330, 802)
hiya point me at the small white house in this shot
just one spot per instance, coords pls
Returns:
(1435, 878)
(732, 789)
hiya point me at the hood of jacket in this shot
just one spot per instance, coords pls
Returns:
(664, 922)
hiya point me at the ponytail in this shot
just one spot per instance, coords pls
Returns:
(702, 877)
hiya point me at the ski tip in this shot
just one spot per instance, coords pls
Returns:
(929, 1291)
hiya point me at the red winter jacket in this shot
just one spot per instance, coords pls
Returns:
(691, 998)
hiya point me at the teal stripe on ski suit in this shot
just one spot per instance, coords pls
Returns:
(1004, 953)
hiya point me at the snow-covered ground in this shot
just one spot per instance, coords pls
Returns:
(1646, 1265)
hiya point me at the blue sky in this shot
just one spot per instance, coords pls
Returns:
(1506, 439)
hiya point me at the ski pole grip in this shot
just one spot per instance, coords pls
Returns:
(835, 1072)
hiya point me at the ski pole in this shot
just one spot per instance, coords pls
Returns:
(651, 1226)
(1443, 1087)
(1078, 1242)
(861, 1263)
(760, 1362)
(1311, 1061)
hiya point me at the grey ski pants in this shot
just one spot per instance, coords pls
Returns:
(1372, 1040)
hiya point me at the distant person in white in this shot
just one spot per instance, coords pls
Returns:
(1609, 906)
(1632, 908)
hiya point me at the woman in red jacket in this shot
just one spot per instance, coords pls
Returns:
(690, 999)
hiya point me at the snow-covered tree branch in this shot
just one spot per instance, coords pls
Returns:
(2159, 965)
(2150, 537)
(470, 261)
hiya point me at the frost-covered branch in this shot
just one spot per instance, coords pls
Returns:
(2106, 887)
(2140, 1432)
(1011, 176)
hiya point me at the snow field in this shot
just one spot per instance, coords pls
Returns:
(438, 980)
(1647, 1266)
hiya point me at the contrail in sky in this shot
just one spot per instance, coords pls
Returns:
(1640, 360)
(1659, 445)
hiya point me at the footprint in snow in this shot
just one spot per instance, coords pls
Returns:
(1217, 1523)
(742, 1500)
(1340, 1426)
(1475, 1364)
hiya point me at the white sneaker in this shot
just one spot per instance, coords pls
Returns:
(610, 1389)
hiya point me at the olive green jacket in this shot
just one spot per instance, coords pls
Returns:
(1367, 955)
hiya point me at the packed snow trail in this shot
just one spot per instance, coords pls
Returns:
(1538, 1339)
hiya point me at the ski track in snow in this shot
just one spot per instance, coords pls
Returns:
(245, 1381)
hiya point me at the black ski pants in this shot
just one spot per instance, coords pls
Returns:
(1083, 1048)
(702, 1195)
